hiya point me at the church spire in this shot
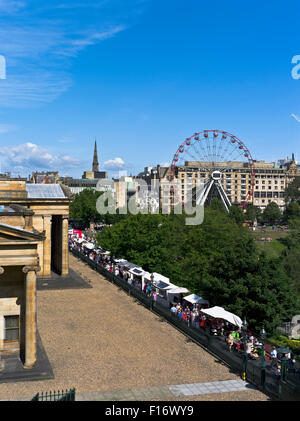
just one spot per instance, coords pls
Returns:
(95, 160)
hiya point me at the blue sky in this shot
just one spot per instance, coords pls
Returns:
(141, 76)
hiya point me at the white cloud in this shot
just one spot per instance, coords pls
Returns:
(31, 157)
(114, 164)
(165, 164)
(296, 117)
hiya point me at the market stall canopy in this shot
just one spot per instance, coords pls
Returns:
(137, 271)
(129, 265)
(163, 285)
(89, 246)
(195, 299)
(178, 290)
(80, 240)
(105, 253)
(156, 277)
(220, 313)
(120, 261)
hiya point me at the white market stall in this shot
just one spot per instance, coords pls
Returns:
(195, 299)
(220, 313)
(137, 275)
(161, 292)
(120, 261)
(126, 267)
(174, 295)
(89, 246)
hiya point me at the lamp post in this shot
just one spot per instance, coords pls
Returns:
(245, 361)
(263, 366)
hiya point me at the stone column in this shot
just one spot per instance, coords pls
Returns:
(65, 246)
(30, 315)
(46, 269)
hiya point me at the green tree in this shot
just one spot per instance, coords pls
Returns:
(292, 192)
(271, 213)
(216, 204)
(291, 257)
(84, 206)
(292, 211)
(253, 213)
(218, 260)
(236, 214)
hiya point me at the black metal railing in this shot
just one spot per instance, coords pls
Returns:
(215, 345)
(67, 395)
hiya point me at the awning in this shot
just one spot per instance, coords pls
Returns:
(193, 299)
(178, 290)
(157, 277)
(137, 271)
(105, 253)
(123, 261)
(89, 246)
(163, 285)
(219, 313)
(80, 240)
(129, 265)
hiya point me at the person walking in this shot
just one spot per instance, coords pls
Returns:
(230, 341)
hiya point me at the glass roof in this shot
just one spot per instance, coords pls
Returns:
(45, 191)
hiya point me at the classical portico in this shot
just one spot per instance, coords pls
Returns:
(19, 267)
(45, 207)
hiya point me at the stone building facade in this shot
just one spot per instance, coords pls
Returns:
(269, 182)
(33, 242)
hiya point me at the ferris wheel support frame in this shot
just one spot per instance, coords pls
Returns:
(205, 191)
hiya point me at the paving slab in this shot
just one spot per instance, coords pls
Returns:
(14, 371)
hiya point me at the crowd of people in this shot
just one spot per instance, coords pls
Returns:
(236, 340)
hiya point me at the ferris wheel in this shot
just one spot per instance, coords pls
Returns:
(224, 163)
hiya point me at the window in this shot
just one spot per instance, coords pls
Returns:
(11, 328)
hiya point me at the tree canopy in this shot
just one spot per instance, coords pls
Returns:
(217, 260)
(253, 213)
(292, 211)
(84, 207)
(292, 192)
(271, 213)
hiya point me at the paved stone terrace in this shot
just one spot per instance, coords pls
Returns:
(101, 341)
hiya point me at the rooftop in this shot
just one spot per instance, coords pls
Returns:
(45, 191)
